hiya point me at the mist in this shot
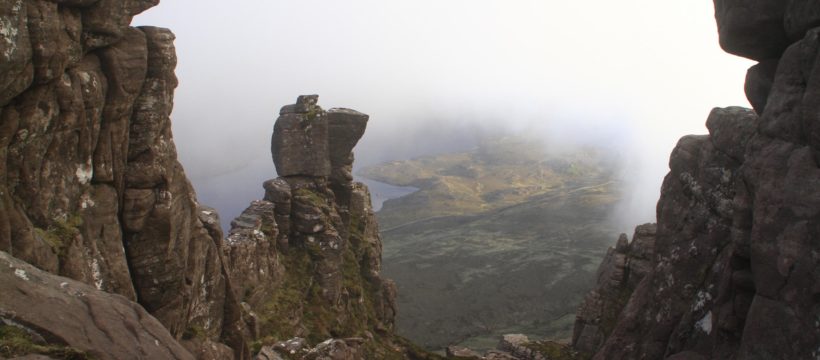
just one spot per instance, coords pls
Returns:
(436, 75)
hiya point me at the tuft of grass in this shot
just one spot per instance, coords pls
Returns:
(313, 112)
(60, 233)
(311, 196)
(15, 341)
(195, 332)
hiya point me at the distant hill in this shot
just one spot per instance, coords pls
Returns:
(503, 238)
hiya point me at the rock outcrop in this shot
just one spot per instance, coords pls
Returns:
(306, 259)
(619, 274)
(91, 190)
(733, 271)
(90, 186)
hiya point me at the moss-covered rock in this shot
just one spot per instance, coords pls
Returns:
(17, 341)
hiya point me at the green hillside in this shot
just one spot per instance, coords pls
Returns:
(500, 239)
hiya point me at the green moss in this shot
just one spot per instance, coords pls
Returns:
(195, 332)
(281, 315)
(313, 111)
(15, 341)
(60, 233)
(356, 229)
(298, 307)
(256, 346)
(311, 196)
(268, 228)
(555, 351)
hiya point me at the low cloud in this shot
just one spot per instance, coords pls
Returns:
(434, 75)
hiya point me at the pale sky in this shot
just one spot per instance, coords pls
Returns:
(635, 73)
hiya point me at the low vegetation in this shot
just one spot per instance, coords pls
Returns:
(16, 341)
(501, 239)
(60, 233)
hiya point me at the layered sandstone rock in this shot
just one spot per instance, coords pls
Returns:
(307, 258)
(734, 270)
(90, 186)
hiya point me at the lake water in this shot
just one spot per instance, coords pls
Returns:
(381, 192)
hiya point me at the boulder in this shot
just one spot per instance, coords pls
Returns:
(299, 144)
(66, 312)
(308, 141)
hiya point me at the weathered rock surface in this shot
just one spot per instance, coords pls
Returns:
(307, 259)
(734, 272)
(759, 79)
(90, 187)
(299, 144)
(251, 254)
(619, 274)
(67, 312)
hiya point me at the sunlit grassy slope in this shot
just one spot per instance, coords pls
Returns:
(501, 239)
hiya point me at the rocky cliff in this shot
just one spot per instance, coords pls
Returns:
(732, 268)
(90, 187)
(93, 197)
